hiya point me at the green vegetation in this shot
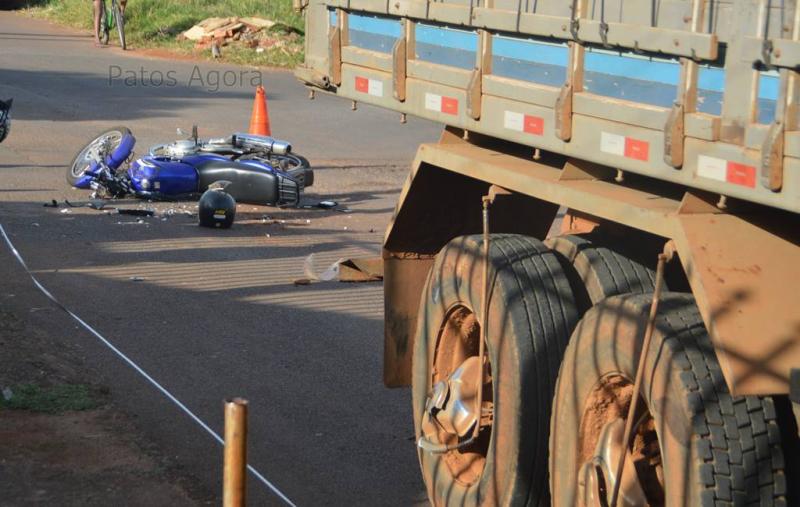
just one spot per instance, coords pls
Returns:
(156, 23)
(52, 400)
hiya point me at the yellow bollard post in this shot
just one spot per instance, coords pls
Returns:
(235, 467)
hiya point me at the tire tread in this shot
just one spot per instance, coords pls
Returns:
(739, 439)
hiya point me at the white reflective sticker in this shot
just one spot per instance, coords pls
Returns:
(612, 143)
(514, 121)
(433, 102)
(375, 87)
(712, 167)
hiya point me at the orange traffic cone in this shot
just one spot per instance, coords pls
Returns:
(259, 121)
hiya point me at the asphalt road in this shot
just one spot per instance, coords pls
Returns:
(216, 314)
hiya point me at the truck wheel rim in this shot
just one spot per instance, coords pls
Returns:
(600, 445)
(458, 341)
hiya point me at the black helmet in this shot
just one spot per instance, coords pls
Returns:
(217, 208)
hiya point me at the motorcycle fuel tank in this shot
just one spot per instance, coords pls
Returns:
(163, 175)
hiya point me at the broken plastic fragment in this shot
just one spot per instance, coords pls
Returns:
(331, 273)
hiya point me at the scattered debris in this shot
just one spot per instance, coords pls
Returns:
(251, 32)
(216, 28)
(137, 278)
(136, 212)
(361, 269)
(7, 393)
(65, 210)
(309, 271)
(332, 205)
(97, 204)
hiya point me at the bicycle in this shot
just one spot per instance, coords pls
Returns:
(110, 18)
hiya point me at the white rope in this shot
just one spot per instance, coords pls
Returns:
(138, 369)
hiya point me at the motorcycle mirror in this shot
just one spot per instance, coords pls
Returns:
(180, 131)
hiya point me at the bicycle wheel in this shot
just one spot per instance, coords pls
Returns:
(119, 18)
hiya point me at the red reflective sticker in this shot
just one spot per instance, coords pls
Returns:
(637, 149)
(362, 84)
(449, 105)
(741, 174)
(533, 125)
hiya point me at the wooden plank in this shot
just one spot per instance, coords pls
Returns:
(671, 42)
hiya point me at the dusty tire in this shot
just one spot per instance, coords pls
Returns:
(531, 315)
(714, 449)
(603, 271)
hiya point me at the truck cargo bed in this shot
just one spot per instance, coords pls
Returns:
(702, 94)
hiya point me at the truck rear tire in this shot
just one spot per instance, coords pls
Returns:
(603, 271)
(531, 315)
(694, 443)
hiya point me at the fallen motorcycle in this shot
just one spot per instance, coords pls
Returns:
(261, 170)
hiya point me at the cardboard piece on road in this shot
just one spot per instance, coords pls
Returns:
(364, 269)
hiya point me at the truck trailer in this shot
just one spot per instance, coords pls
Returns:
(591, 279)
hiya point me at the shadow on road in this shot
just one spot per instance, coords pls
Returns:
(125, 90)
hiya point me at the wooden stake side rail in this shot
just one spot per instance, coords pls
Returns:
(731, 153)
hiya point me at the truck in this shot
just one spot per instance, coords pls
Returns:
(591, 279)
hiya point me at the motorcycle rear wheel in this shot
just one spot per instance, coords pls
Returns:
(81, 162)
(297, 166)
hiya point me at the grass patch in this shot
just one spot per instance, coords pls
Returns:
(156, 23)
(52, 400)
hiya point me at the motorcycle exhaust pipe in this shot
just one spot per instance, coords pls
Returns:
(253, 141)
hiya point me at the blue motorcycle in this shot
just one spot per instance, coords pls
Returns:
(260, 169)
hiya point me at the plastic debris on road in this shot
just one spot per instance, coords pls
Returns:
(309, 270)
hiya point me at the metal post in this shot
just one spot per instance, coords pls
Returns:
(663, 258)
(235, 467)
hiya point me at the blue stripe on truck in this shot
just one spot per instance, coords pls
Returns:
(389, 27)
(519, 51)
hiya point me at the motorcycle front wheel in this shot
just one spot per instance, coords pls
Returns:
(84, 158)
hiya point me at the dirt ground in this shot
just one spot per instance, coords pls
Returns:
(74, 457)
